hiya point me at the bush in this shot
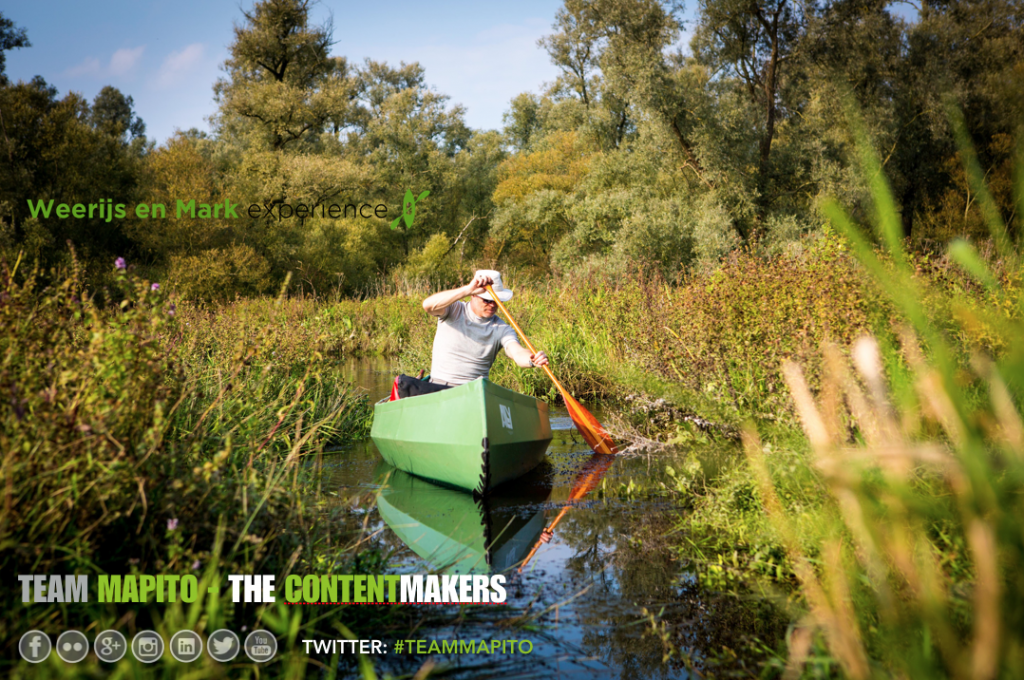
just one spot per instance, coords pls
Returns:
(219, 273)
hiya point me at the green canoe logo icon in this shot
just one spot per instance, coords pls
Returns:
(409, 209)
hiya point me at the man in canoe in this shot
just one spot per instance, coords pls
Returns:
(469, 334)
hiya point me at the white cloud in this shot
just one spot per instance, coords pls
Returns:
(177, 64)
(90, 66)
(124, 60)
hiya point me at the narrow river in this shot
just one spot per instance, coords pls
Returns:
(583, 595)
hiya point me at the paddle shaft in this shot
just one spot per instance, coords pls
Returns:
(588, 426)
(550, 527)
(526, 340)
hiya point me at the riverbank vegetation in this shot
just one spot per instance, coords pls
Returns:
(671, 224)
(130, 448)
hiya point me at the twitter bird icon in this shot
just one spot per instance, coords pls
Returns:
(224, 645)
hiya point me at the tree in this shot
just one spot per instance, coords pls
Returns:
(179, 169)
(751, 41)
(522, 121)
(575, 47)
(58, 155)
(611, 56)
(282, 97)
(404, 133)
(112, 113)
(968, 53)
(283, 86)
(62, 151)
(11, 37)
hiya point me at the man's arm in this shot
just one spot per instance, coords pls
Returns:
(522, 356)
(436, 304)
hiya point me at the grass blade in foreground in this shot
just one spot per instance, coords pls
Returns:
(915, 571)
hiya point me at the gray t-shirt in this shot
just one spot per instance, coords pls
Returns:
(466, 345)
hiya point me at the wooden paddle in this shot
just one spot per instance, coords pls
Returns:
(586, 481)
(592, 432)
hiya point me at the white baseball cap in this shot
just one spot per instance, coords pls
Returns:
(504, 294)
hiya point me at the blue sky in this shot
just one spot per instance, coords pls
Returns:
(167, 55)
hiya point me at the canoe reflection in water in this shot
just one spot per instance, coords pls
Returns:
(457, 532)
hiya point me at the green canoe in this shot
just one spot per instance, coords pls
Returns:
(473, 437)
(457, 532)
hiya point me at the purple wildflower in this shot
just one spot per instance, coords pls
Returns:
(120, 263)
(196, 565)
(155, 287)
(172, 524)
(170, 309)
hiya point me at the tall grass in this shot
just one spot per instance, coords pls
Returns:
(916, 568)
(131, 446)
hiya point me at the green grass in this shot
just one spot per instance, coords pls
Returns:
(133, 445)
(895, 518)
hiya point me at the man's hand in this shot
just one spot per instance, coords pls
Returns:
(546, 535)
(437, 303)
(478, 286)
(539, 359)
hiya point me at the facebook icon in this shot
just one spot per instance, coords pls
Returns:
(35, 646)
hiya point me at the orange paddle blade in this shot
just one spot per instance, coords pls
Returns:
(588, 479)
(589, 427)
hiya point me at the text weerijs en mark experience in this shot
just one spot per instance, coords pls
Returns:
(105, 209)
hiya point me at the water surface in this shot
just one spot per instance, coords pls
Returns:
(583, 594)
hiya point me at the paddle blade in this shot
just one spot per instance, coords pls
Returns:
(586, 481)
(591, 475)
(589, 427)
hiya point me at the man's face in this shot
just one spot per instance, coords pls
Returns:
(482, 307)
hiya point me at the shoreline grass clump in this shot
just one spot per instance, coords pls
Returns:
(921, 576)
(894, 518)
(121, 457)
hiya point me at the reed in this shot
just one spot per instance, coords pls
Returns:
(916, 567)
